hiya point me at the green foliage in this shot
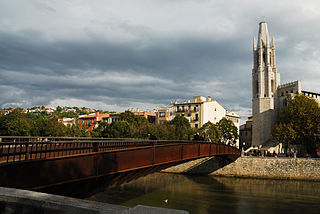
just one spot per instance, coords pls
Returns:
(34, 116)
(48, 127)
(119, 129)
(181, 127)
(127, 116)
(58, 109)
(69, 114)
(15, 124)
(211, 131)
(284, 132)
(229, 132)
(299, 123)
(162, 131)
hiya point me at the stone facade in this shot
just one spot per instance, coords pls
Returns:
(268, 96)
(245, 136)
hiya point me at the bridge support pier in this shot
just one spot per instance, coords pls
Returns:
(201, 166)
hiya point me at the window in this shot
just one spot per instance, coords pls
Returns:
(215, 109)
(196, 117)
(196, 126)
(196, 108)
(189, 115)
(162, 114)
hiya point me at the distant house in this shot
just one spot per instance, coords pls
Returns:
(49, 110)
(150, 116)
(113, 117)
(91, 121)
(67, 121)
(164, 114)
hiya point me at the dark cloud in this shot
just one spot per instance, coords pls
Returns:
(74, 54)
(83, 69)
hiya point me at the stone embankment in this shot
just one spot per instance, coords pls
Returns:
(253, 167)
(23, 201)
(270, 167)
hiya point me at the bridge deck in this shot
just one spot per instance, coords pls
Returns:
(40, 165)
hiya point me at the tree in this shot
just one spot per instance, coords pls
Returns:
(59, 109)
(15, 124)
(228, 130)
(284, 133)
(127, 116)
(119, 129)
(211, 131)
(49, 127)
(181, 127)
(302, 115)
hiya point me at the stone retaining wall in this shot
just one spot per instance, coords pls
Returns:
(24, 201)
(270, 167)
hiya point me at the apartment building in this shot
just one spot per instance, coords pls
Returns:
(201, 110)
(91, 121)
(164, 114)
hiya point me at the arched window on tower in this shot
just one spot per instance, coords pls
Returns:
(270, 58)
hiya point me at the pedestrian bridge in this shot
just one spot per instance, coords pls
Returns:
(81, 166)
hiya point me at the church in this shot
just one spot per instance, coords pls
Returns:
(268, 95)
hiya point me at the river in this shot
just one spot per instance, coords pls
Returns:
(207, 194)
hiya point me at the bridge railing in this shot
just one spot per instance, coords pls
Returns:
(22, 151)
(11, 152)
(50, 139)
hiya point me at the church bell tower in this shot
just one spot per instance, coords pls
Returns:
(265, 81)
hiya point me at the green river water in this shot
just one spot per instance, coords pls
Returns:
(207, 194)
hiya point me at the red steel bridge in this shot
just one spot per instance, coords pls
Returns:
(78, 166)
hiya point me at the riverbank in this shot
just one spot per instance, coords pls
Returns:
(272, 167)
(24, 201)
(253, 167)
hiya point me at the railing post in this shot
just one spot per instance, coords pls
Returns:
(95, 147)
(26, 155)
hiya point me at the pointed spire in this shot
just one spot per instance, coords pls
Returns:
(254, 44)
(260, 43)
(263, 35)
(272, 42)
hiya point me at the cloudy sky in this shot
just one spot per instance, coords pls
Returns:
(114, 55)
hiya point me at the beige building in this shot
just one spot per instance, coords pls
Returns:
(113, 117)
(164, 114)
(202, 110)
(268, 96)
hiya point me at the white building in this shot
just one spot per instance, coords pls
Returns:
(202, 110)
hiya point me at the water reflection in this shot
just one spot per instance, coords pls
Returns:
(206, 194)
